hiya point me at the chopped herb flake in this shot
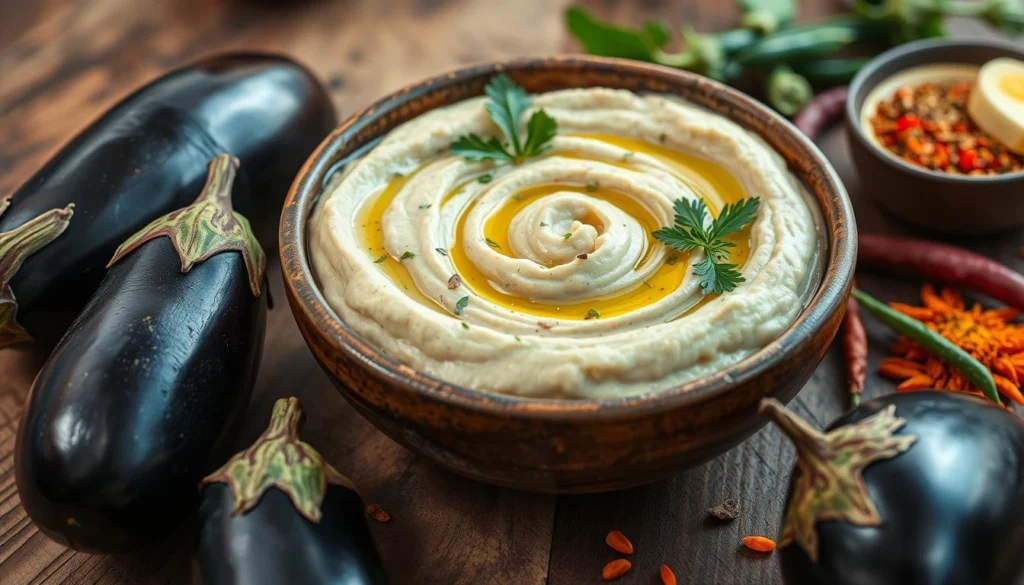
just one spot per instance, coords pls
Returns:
(492, 243)
(406, 255)
(461, 305)
(542, 224)
(382, 258)
(465, 325)
(662, 137)
(567, 236)
(593, 314)
(425, 206)
(592, 186)
(484, 178)
(441, 251)
(628, 155)
(672, 259)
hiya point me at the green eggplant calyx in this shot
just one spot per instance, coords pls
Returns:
(15, 246)
(280, 459)
(207, 227)
(829, 484)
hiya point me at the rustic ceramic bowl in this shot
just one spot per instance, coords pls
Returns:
(566, 445)
(947, 204)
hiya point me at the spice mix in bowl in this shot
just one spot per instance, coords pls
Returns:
(936, 129)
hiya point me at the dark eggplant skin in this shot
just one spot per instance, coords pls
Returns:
(142, 397)
(274, 544)
(147, 156)
(952, 505)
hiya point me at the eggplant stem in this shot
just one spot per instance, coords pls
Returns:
(207, 227)
(219, 180)
(279, 459)
(828, 482)
(286, 420)
(803, 435)
(15, 246)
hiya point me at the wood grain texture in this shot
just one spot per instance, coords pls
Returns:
(63, 62)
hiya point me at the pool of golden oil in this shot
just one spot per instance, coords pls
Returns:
(708, 180)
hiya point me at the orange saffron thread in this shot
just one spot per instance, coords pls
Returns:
(619, 542)
(615, 569)
(990, 336)
(667, 576)
(759, 543)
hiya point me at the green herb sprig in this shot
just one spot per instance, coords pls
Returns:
(689, 234)
(507, 103)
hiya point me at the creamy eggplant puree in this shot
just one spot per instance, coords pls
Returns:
(542, 278)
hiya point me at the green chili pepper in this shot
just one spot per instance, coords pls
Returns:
(937, 345)
(787, 91)
(812, 41)
(831, 72)
(736, 39)
(788, 45)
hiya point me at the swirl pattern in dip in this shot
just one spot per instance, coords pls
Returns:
(542, 279)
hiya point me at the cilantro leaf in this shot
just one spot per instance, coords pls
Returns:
(688, 234)
(507, 102)
(472, 147)
(734, 216)
(540, 130)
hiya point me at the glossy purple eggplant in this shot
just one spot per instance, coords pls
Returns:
(278, 513)
(145, 393)
(147, 156)
(917, 488)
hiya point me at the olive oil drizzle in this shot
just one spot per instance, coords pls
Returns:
(712, 183)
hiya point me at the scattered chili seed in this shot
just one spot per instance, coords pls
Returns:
(615, 569)
(928, 125)
(619, 542)
(377, 513)
(727, 510)
(759, 543)
(667, 576)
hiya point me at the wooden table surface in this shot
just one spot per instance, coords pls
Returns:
(63, 62)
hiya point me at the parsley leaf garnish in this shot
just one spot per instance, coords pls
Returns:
(507, 103)
(689, 234)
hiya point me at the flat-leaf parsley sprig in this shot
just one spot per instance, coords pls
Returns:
(689, 234)
(507, 103)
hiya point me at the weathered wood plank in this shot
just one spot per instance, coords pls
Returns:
(62, 62)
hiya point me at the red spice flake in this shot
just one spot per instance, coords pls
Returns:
(928, 125)
(377, 513)
(615, 569)
(582, 256)
(619, 542)
(759, 543)
(454, 282)
(667, 576)
(544, 325)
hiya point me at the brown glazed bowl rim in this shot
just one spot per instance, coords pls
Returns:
(859, 88)
(829, 298)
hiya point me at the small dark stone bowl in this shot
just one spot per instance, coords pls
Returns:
(933, 201)
(569, 445)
